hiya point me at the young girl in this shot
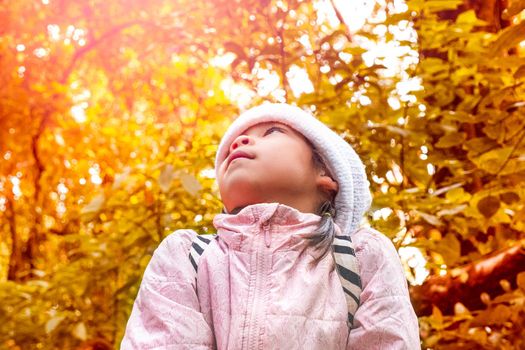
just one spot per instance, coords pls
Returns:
(292, 190)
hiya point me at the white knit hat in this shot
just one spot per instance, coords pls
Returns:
(353, 198)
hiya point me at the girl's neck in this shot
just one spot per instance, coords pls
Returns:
(238, 209)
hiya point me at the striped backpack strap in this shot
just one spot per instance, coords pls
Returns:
(348, 269)
(200, 242)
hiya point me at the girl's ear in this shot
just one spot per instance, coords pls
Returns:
(326, 182)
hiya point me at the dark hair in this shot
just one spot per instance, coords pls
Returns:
(323, 237)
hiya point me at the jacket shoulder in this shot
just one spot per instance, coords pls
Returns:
(170, 259)
(178, 239)
(375, 244)
(380, 265)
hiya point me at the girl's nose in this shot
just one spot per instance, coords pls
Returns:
(240, 140)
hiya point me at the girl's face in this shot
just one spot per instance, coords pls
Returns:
(276, 166)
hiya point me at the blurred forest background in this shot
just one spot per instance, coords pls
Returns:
(111, 113)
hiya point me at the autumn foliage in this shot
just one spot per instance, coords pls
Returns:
(111, 113)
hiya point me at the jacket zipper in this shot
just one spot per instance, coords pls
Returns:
(260, 282)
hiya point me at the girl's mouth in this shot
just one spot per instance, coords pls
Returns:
(238, 154)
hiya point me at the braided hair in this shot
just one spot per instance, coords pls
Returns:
(323, 237)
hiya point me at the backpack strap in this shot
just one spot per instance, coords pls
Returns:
(200, 242)
(348, 269)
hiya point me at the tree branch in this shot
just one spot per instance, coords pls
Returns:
(481, 276)
(93, 44)
(340, 18)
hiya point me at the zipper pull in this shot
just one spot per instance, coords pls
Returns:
(267, 238)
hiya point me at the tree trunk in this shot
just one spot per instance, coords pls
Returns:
(16, 263)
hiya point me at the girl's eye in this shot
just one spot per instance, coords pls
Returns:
(273, 128)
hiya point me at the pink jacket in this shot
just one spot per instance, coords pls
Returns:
(256, 290)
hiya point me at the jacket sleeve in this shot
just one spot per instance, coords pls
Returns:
(166, 312)
(385, 318)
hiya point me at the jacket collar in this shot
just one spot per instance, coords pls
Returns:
(281, 225)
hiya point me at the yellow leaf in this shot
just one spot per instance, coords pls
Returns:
(499, 315)
(509, 37)
(53, 323)
(460, 309)
(166, 177)
(120, 178)
(95, 204)
(450, 140)
(469, 17)
(463, 277)
(520, 72)
(134, 199)
(505, 285)
(190, 183)
(436, 313)
(520, 279)
(450, 248)
(492, 161)
(434, 234)
(79, 331)
(515, 7)
(485, 298)
(458, 195)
